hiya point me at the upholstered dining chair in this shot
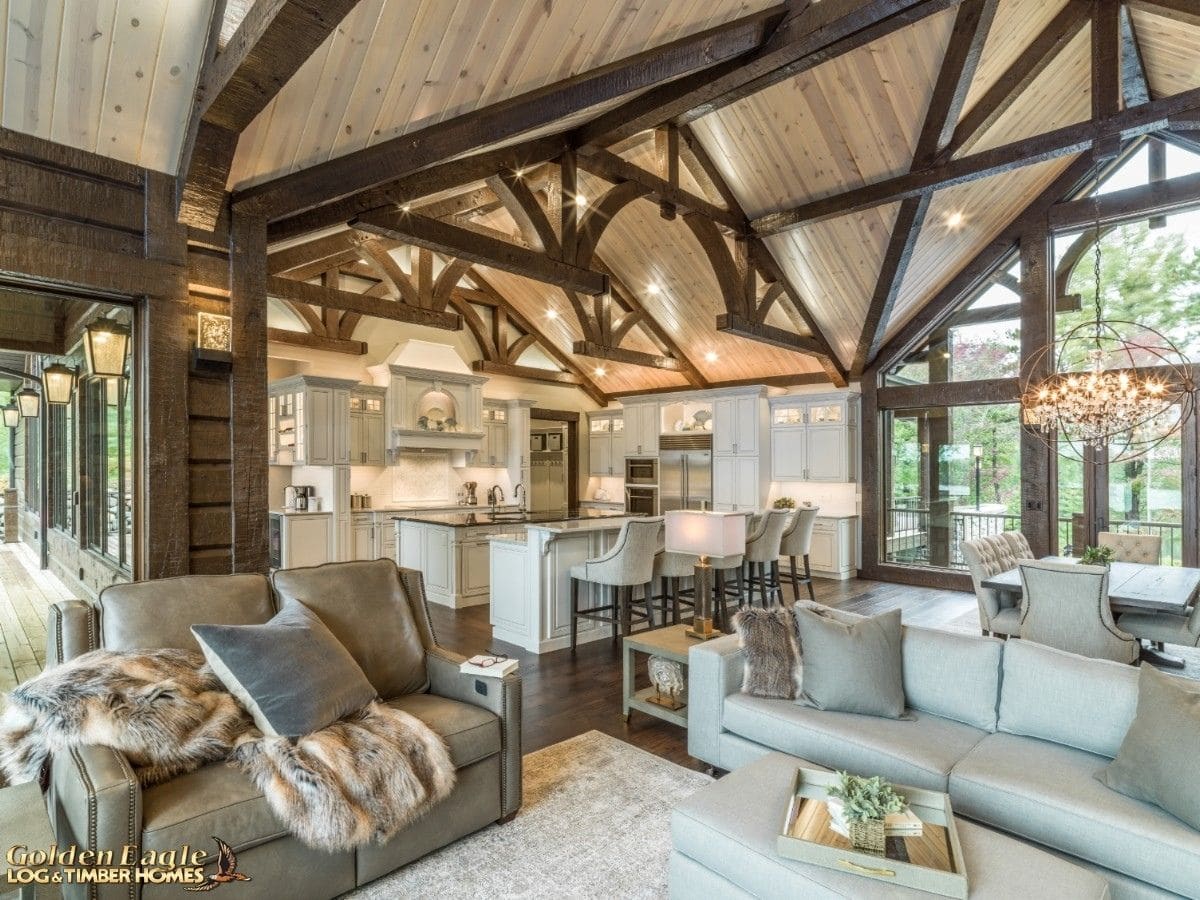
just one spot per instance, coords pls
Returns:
(1133, 548)
(1066, 606)
(795, 545)
(1164, 628)
(991, 555)
(629, 564)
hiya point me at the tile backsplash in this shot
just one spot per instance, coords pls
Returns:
(834, 499)
(424, 478)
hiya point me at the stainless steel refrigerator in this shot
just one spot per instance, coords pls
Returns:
(684, 471)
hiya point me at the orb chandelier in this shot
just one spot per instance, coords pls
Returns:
(1116, 391)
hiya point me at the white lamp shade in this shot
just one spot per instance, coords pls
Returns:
(58, 383)
(12, 415)
(29, 402)
(705, 533)
(105, 344)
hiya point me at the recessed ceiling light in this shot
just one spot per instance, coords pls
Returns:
(599, 371)
(405, 208)
(653, 288)
(580, 200)
(955, 219)
(711, 356)
(520, 173)
(552, 314)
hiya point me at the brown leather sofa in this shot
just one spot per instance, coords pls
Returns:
(378, 611)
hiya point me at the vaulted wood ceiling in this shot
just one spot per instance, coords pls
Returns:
(776, 123)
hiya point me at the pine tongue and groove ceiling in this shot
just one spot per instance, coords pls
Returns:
(83, 74)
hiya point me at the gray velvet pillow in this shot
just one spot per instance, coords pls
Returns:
(290, 673)
(768, 641)
(1156, 761)
(851, 667)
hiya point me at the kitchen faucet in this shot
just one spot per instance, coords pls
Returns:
(495, 495)
(519, 495)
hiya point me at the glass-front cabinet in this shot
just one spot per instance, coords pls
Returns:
(606, 444)
(814, 438)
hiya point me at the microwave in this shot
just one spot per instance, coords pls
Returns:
(641, 471)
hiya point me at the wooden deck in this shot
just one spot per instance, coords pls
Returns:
(564, 694)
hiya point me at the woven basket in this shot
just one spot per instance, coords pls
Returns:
(869, 835)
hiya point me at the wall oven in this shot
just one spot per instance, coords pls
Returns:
(641, 471)
(641, 501)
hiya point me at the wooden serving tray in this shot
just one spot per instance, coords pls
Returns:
(932, 862)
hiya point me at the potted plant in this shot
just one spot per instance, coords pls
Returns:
(1097, 556)
(865, 803)
(784, 503)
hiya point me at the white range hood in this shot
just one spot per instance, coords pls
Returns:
(434, 400)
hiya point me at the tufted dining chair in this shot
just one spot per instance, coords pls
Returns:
(762, 555)
(1132, 548)
(991, 555)
(629, 564)
(1164, 628)
(796, 542)
(1066, 606)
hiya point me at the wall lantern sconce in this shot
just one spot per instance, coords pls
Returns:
(105, 346)
(58, 382)
(29, 402)
(12, 415)
(214, 343)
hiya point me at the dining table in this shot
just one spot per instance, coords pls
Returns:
(1132, 587)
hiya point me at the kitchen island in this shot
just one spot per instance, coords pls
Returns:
(452, 548)
(531, 580)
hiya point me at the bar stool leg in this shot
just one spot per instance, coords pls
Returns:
(674, 603)
(740, 586)
(776, 587)
(574, 612)
(627, 610)
(616, 607)
(808, 574)
(649, 604)
(795, 579)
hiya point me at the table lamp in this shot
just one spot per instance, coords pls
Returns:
(705, 534)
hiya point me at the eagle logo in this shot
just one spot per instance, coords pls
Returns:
(226, 869)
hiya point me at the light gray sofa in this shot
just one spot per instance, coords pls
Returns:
(1015, 732)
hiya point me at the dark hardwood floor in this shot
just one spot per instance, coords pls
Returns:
(567, 694)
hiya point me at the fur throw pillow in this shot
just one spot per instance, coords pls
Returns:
(768, 639)
(164, 709)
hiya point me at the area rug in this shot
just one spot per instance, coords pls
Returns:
(594, 823)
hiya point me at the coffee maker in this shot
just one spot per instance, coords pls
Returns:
(469, 489)
(295, 496)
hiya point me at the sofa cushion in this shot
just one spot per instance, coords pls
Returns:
(768, 641)
(1049, 793)
(1065, 698)
(367, 609)
(147, 615)
(853, 668)
(216, 800)
(918, 751)
(290, 673)
(1161, 747)
(471, 733)
(955, 676)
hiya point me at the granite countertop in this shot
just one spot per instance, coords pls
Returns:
(484, 519)
(605, 520)
(300, 512)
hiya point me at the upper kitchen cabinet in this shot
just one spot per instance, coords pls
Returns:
(814, 438)
(432, 410)
(308, 419)
(641, 429)
(368, 438)
(737, 423)
(606, 444)
(493, 451)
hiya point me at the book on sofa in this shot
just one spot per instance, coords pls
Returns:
(488, 666)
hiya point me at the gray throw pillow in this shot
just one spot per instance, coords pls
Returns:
(1157, 757)
(851, 667)
(768, 641)
(290, 673)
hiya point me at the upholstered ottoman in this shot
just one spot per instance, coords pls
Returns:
(724, 847)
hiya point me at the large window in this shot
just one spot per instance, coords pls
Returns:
(108, 468)
(62, 475)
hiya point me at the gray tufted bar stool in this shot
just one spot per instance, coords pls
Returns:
(762, 554)
(796, 543)
(629, 564)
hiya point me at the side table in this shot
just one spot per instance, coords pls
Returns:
(25, 822)
(670, 643)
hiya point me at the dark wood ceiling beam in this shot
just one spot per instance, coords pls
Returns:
(1184, 11)
(971, 26)
(274, 39)
(1135, 88)
(819, 33)
(316, 342)
(1106, 58)
(632, 357)
(731, 323)
(1158, 197)
(441, 237)
(1024, 70)
(529, 373)
(309, 252)
(409, 189)
(408, 153)
(522, 204)
(364, 304)
(1128, 124)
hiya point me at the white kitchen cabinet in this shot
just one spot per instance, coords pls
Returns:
(739, 472)
(474, 566)
(341, 436)
(343, 540)
(606, 444)
(410, 549)
(455, 561)
(832, 553)
(494, 449)
(439, 568)
(737, 484)
(309, 420)
(641, 422)
(305, 539)
(368, 438)
(737, 421)
(428, 409)
(363, 529)
(814, 439)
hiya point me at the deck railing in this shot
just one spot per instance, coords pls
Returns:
(908, 528)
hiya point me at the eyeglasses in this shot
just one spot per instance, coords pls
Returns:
(492, 659)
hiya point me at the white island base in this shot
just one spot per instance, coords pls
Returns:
(531, 583)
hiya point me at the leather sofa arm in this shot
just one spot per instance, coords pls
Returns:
(503, 698)
(71, 631)
(715, 670)
(95, 796)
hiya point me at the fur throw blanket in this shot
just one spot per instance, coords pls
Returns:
(360, 779)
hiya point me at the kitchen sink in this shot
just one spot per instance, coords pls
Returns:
(509, 515)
